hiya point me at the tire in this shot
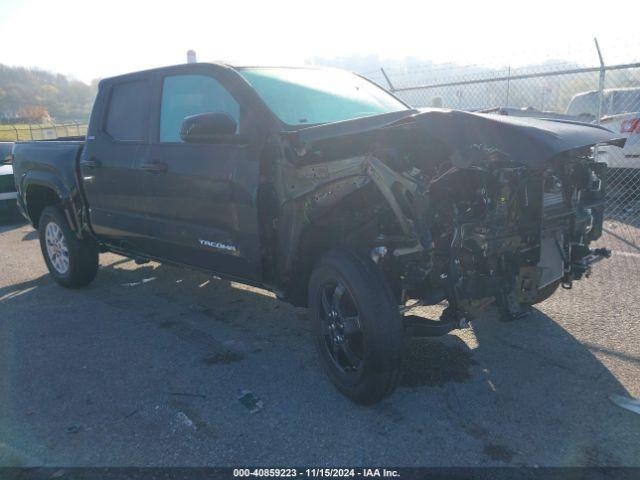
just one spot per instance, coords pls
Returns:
(80, 257)
(546, 292)
(365, 364)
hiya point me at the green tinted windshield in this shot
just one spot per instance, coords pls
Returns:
(307, 96)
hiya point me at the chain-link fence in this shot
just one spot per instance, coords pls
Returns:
(608, 95)
(47, 131)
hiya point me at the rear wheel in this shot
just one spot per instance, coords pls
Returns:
(357, 327)
(72, 262)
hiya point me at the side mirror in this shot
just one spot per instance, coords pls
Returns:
(8, 160)
(209, 127)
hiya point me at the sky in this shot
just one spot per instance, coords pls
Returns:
(90, 39)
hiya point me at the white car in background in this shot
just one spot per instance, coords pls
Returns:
(8, 195)
(620, 114)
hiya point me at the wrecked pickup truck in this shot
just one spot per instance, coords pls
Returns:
(329, 191)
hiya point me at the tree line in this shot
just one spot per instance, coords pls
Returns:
(36, 96)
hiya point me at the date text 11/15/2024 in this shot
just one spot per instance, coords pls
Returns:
(316, 472)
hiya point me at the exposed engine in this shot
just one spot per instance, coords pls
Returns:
(451, 206)
(497, 230)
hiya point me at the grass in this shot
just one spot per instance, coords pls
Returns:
(23, 132)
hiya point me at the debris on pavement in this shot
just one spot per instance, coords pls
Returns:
(182, 420)
(134, 284)
(628, 403)
(237, 346)
(73, 429)
(131, 414)
(250, 401)
(224, 358)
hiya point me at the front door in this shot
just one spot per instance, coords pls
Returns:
(202, 209)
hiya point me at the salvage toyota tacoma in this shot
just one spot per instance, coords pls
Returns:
(329, 191)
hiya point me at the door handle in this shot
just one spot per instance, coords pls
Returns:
(155, 167)
(91, 163)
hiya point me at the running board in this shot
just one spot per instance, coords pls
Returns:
(425, 327)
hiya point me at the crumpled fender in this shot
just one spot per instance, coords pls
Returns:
(327, 188)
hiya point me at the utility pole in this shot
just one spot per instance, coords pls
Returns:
(600, 82)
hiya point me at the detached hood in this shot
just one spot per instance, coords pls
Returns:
(529, 141)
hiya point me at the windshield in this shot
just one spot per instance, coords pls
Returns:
(308, 96)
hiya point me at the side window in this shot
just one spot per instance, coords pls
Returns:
(625, 101)
(184, 95)
(128, 112)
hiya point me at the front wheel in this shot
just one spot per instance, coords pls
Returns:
(72, 262)
(546, 292)
(357, 326)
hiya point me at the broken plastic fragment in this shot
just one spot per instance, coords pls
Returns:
(144, 280)
(182, 420)
(250, 401)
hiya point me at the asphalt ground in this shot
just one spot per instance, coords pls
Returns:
(154, 365)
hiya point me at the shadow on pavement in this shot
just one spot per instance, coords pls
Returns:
(7, 224)
(522, 393)
(532, 381)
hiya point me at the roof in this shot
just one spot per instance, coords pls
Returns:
(124, 76)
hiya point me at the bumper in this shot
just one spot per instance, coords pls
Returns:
(9, 210)
(616, 157)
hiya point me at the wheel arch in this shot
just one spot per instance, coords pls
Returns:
(310, 231)
(321, 219)
(40, 190)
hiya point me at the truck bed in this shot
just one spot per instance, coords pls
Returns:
(47, 162)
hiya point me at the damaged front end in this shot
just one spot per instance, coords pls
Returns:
(454, 206)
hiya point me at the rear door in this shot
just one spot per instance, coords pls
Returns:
(203, 211)
(110, 164)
